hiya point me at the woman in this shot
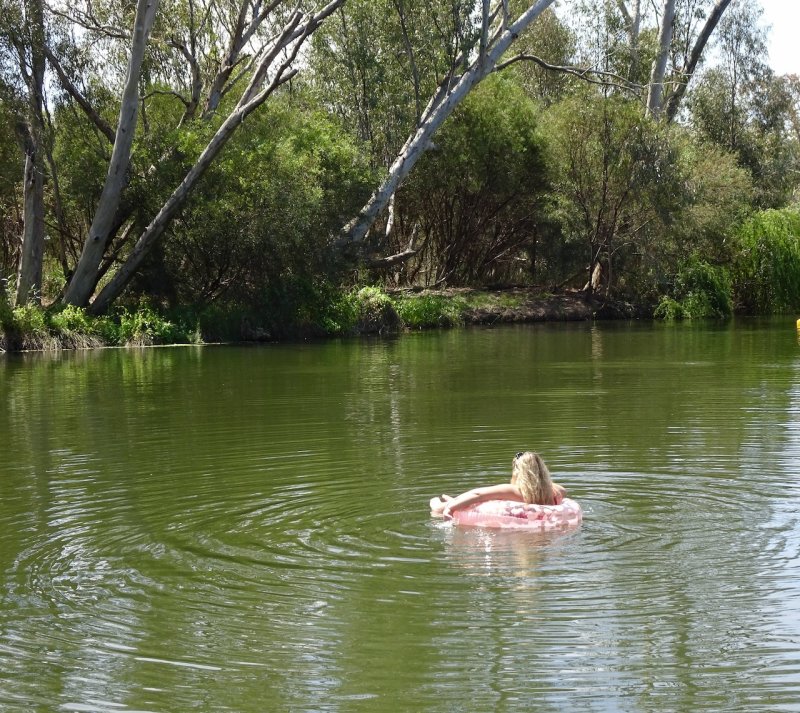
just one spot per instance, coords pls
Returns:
(530, 483)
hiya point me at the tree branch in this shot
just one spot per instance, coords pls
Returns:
(103, 126)
(587, 74)
(687, 72)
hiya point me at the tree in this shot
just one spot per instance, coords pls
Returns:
(277, 56)
(10, 181)
(616, 180)
(221, 62)
(23, 34)
(475, 205)
(255, 232)
(84, 278)
(377, 60)
(552, 41)
(691, 60)
(494, 35)
(682, 29)
(743, 107)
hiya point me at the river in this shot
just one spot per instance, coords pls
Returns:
(246, 528)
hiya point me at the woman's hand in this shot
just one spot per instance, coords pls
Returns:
(559, 493)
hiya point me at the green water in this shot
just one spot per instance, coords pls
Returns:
(246, 529)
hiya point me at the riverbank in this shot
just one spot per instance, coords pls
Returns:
(521, 305)
(366, 311)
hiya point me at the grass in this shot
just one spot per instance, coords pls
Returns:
(323, 312)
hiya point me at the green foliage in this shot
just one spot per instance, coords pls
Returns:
(32, 327)
(342, 314)
(743, 107)
(11, 165)
(6, 316)
(715, 198)
(73, 328)
(426, 311)
(767, 263)
(144, 326)
(551, 39)
(376, 312)
(534, 177)
(27, 329)
(669, 309)
(476, 202)
(617, 186)
(263, 215)
(72, 319)
(377, 65)
(700, 290)
(30, 318)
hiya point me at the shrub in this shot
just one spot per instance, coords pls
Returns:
(700, 290)
(143, 327)
(74, 328)
(424, 311)
(342, 314)
(376, 312)
(28, 329)
(767, 263)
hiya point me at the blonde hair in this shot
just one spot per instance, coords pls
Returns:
(530, 474)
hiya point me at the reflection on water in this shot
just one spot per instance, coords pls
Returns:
(246, 529)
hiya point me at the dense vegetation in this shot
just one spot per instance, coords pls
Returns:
(561, 165)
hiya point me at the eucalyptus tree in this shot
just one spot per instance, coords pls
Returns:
(479, 201)
(220, 61)
(239, 51)
(655, 88)
(684, 28)
(793, 88)
(376, 61)
(693, 39)
(10, 179)
(22, 36)
(552, 42)
(614, 175)
(743, 107)
(626, 37)
(475, 55)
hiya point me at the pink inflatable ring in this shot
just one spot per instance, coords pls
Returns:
(508, 514)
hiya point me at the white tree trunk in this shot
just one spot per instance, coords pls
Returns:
(687, 72)
(439, 108)
(153, 232)
(29, 273)
(253, 97)
(85, 277)
(633, 35)
(655, 93)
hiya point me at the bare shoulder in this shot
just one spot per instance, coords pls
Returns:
(437, 506)
(502, 491)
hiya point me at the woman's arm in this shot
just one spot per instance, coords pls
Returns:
(505, 491)
(560, 492)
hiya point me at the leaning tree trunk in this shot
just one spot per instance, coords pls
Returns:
(441, 106)
(655, 94)
(297, 30)
(29, 274)
(674, 100)
(86, 273)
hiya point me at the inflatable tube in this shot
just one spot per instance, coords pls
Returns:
(507, 514)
